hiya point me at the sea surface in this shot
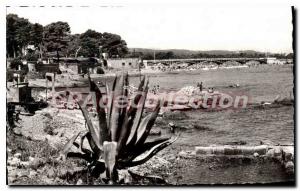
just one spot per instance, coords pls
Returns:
(248, 125)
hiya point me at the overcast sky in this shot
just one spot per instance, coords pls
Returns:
(262, 28)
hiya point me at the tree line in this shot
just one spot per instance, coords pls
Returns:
(56, 40)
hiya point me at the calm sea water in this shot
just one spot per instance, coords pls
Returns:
(251, 124)
(262, 83)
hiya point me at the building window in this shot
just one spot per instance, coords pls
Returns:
(129, 64)
(123, 63)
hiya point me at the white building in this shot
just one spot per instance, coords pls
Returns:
(273, 60)
(123, 63)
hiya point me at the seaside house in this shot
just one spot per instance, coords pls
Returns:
(127, 63)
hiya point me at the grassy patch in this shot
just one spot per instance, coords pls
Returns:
(43, 151)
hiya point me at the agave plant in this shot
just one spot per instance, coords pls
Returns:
(118, 141)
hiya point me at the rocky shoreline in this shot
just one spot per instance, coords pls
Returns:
(34, 157)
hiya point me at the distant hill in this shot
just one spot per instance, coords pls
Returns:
(148, 54)
(185, 52)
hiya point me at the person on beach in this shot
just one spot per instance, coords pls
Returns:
(154, 89)
(200, 86)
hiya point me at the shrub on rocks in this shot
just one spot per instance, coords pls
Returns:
(79, 182)
(17, 155)
(62, 173)
(289, 167)
(49, 129)
(23, 173)
(37, 163)
(17, 131)
(32, 174)
(15, 162)
(51, 173)
(24, 164)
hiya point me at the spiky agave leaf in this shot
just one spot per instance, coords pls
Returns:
(106, 88)
(146, 125)
(148, 145)
(116, 110)
(134, 102)
(153, 151)
(138, 150)
(95, 154)
(97, 168)
(123, 120)
(110, 149)
(84, 156)
(131, 114)
(129, 118)
(137, 118)
(126, 128)
(76, 145)
(110, 101)
(126, 85)
(69, 144)
(125, 95)
(141, 85)
(94, 132)
(82, 137)
(103, 130)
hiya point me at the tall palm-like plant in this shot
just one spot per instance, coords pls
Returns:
(119, 141)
